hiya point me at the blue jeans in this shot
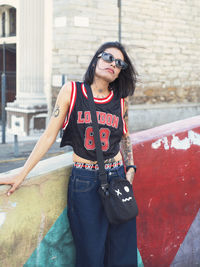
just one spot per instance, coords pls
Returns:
(98, 243)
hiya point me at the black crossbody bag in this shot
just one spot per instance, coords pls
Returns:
(117, 196)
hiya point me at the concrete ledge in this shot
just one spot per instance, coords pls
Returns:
(165, 130)
(45, 166)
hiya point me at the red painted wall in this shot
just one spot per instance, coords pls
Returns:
(167, 188)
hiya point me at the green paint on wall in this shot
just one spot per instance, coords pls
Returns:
(140, 263)
(57, 248)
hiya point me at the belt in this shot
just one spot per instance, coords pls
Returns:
(92, 167)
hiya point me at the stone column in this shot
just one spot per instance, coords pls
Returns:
(30, 53)
(30, 98)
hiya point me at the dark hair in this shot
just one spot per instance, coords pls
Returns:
(125, 83)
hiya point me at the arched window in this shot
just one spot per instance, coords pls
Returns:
(12, 22)
(3, 24)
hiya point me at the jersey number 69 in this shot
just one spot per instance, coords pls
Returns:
(89, 138)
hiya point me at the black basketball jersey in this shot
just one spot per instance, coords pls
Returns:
(78, 131)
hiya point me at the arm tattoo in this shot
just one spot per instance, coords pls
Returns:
(126, 149)
(56, 111)
(125, 144)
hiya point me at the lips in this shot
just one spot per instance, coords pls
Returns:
(110, 70)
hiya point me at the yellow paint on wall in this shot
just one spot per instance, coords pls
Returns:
(29, 213)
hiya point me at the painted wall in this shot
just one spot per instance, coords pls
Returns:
(34, 229)
(167, 190)
(33, 220)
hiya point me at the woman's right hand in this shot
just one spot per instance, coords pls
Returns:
(13, 180)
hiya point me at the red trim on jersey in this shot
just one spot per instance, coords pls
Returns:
(122, 112)
(98, 100)
(72, 103)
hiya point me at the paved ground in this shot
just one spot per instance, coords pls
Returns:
(9, 160)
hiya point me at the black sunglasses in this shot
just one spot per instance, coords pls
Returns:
(110, 58)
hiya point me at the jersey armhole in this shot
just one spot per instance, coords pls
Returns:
(72, 103)
(122, 114)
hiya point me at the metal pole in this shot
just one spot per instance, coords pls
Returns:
(63, 79)
(63, 82)
(16, 146)
(119, 21)
(3, 97)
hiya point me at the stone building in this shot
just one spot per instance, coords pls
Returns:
(162, 37)
(8, 49)
(27, 114)
(57, 38)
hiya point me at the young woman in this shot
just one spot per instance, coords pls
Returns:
(112, 78)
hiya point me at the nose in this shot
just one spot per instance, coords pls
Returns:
(113, 63)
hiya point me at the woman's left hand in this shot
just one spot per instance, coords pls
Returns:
(130, 175)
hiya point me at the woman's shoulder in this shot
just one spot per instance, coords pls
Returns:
(70, 85)
(66, 90)
(69, 89)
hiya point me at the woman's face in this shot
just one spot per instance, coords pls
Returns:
(109, 71)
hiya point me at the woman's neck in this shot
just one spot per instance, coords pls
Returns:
(100, 88)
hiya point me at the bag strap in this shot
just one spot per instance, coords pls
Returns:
(99, 153)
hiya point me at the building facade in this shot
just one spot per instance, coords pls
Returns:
(57, 38)
(8, 49)
(162, 38)
(27, 114)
